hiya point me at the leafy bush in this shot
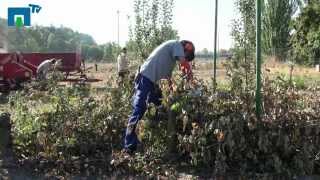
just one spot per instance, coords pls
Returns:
(68, 122)
(205, 129)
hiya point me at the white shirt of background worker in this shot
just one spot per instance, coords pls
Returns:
(123, 63)
(45, 67)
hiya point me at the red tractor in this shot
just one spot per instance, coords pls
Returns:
(16, 67)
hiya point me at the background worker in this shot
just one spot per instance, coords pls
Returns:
(123, 64)
(159, 65)
(45, 67)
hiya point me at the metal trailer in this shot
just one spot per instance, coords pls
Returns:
(16, 67)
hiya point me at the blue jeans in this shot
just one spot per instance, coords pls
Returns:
(145, 92)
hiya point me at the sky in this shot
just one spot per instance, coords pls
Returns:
(194, 19)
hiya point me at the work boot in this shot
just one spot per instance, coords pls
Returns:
(131, 150)
(127, 152)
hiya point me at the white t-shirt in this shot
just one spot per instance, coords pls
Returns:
(44, 67)
(123, 62)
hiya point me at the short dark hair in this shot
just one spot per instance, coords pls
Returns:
(53, 61)
(124, 49)
(188, 55)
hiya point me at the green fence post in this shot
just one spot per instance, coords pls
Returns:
(215, 45)
(258, 57)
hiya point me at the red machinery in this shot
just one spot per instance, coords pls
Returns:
(16, 67)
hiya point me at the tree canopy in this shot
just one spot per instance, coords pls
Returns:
(56, 39)
(306, 34)
(153, 25)
(277, 18)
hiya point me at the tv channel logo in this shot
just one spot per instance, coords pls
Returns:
(21, 16)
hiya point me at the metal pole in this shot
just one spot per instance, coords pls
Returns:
(118, 12)
(258, 57)
(215, 45)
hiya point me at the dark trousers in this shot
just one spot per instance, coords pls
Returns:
(145, 92)
(123, 74)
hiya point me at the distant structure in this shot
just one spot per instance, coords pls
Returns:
(3, 41)
(226, 54)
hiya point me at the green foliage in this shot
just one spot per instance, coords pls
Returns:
(299, 82)
(243, 30)
(216, 130)
(67, 122)
(224, 133)
(153, 25)
(111, 51)
(305, 40)
(241, 68)
(276, 26)
(92, 52)
(53, 39)
(206, 54)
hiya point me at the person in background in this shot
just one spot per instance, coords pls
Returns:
(45, 67)
(123, 64)
(159, 65)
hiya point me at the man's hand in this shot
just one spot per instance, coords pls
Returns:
(186, 69)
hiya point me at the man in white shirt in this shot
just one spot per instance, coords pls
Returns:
(44, 68)
(123, 64)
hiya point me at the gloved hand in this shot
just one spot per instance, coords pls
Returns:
(185, 67)
(186, 70)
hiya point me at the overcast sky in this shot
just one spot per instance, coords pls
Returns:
(194, 19)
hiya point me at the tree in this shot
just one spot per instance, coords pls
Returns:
(204, 54)
(86, 39)
(52, 43)
(110, 50)
(95, 53)
(3, 35)
(277, 17)
(51, 39)
(243, 29)
(153, 25)
(306, 37)
(242, 65)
